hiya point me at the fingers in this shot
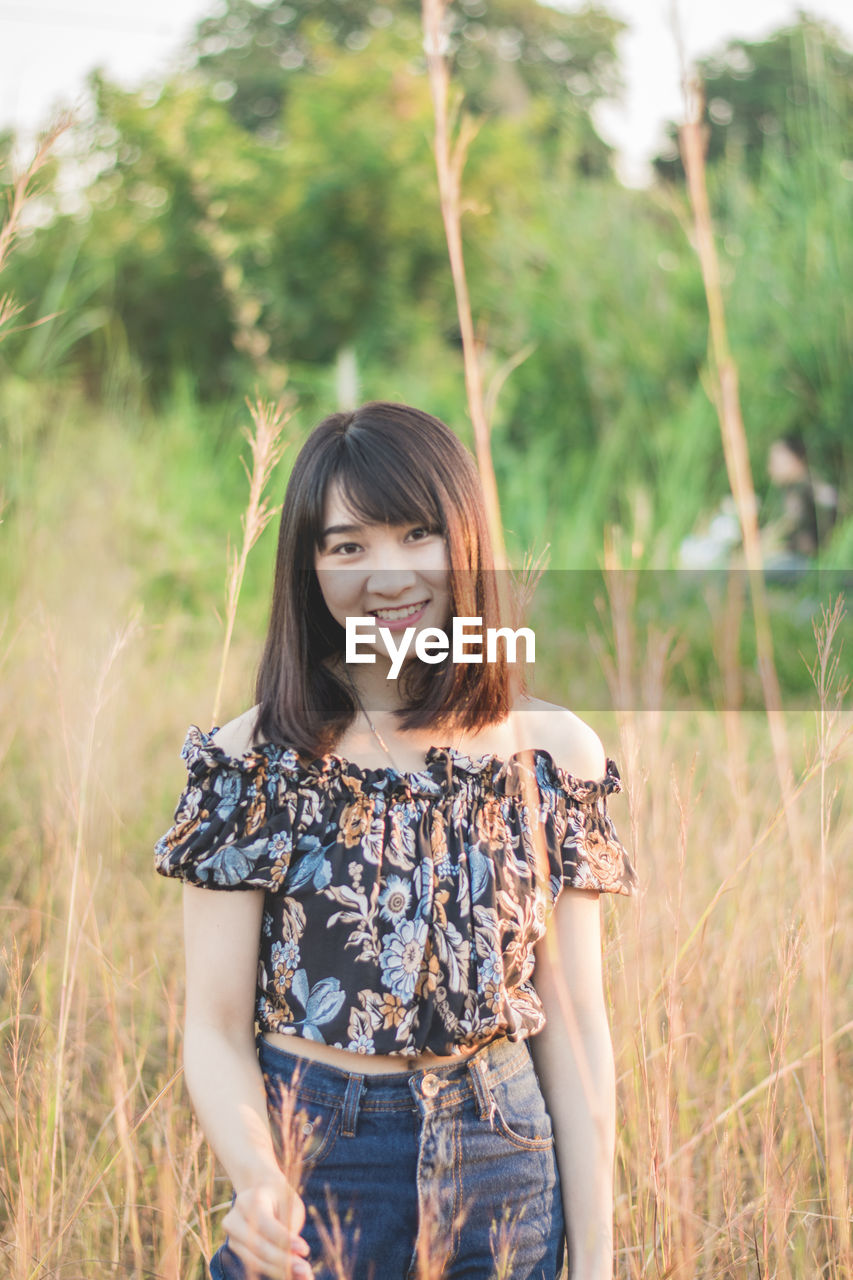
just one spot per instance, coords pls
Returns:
(259, 1268)
(264, 1258)
(257, 1233)
(256, 1220)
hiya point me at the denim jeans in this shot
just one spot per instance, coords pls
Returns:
(453, 1165)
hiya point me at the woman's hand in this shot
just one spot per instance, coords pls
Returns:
(263, 1226)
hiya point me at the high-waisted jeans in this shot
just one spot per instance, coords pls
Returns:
(448, 1172)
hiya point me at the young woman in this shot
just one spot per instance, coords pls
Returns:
(416, 931)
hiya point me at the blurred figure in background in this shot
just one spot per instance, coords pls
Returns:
(793, 537)
(797, 516)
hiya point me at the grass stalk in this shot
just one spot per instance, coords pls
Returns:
(75, 919)
(23, 186)
(832, 690)
(97, 1180)
(245, 307)
(266, 447)
(770, 1081)
(22, 190)
(726, 399)
(450, 153)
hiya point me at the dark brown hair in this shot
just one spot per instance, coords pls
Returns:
(395, 465)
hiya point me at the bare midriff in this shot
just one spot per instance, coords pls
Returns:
(361, 1063)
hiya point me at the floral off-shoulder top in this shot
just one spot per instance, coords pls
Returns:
(401, 909)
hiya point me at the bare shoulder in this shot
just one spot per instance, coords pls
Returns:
(238, 735)
(571, 742)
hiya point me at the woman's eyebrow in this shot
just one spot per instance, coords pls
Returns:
(335, 529)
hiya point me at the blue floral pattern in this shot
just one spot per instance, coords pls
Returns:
(401, 910)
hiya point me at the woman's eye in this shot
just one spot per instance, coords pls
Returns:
(346, 548)
(420, 533)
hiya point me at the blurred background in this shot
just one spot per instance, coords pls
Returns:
(245, 205)
(247, 202)
(255, 202)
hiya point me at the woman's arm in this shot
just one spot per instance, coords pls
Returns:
(223, 1075)
(573, 1056)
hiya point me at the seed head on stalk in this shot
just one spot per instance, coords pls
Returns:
(267, 446)
(21, 191)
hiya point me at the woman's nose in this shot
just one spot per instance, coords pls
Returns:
(390, 581)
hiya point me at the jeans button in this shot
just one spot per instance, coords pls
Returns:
(430, 1085)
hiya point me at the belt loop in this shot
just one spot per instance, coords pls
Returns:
(352, 1097)
(485, 1098)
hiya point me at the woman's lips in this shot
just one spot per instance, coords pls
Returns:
(407, 620)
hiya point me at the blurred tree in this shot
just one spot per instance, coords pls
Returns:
(210, 253)
(280, 203)
(136, 234)
(222, 253)
(504, 54)
(231, 253)
(356, 242)
(766, 93)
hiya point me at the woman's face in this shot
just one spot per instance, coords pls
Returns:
(397, 574)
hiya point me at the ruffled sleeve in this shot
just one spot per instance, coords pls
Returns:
(234, 821)
(593, 856)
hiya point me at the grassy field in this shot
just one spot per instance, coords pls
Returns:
(729, 978)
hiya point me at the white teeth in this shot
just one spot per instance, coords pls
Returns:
(391, 615)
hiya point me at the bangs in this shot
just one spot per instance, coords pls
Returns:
(383, 489)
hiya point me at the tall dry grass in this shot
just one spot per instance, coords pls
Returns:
(732, 1026)
(728, 981)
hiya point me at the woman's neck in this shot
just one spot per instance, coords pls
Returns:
(375, 691)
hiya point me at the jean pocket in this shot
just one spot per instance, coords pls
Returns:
(304, 1129)
(520, 1111)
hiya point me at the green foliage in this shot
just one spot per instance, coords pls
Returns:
(762, 97)
(326, 233)
(605, 292)
(504, 54)
(149, 212)
(786, 251)
(210, 250)
(71, 307)
(356, 243)
(140, 251)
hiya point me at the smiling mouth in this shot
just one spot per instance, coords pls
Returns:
(404, 611)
